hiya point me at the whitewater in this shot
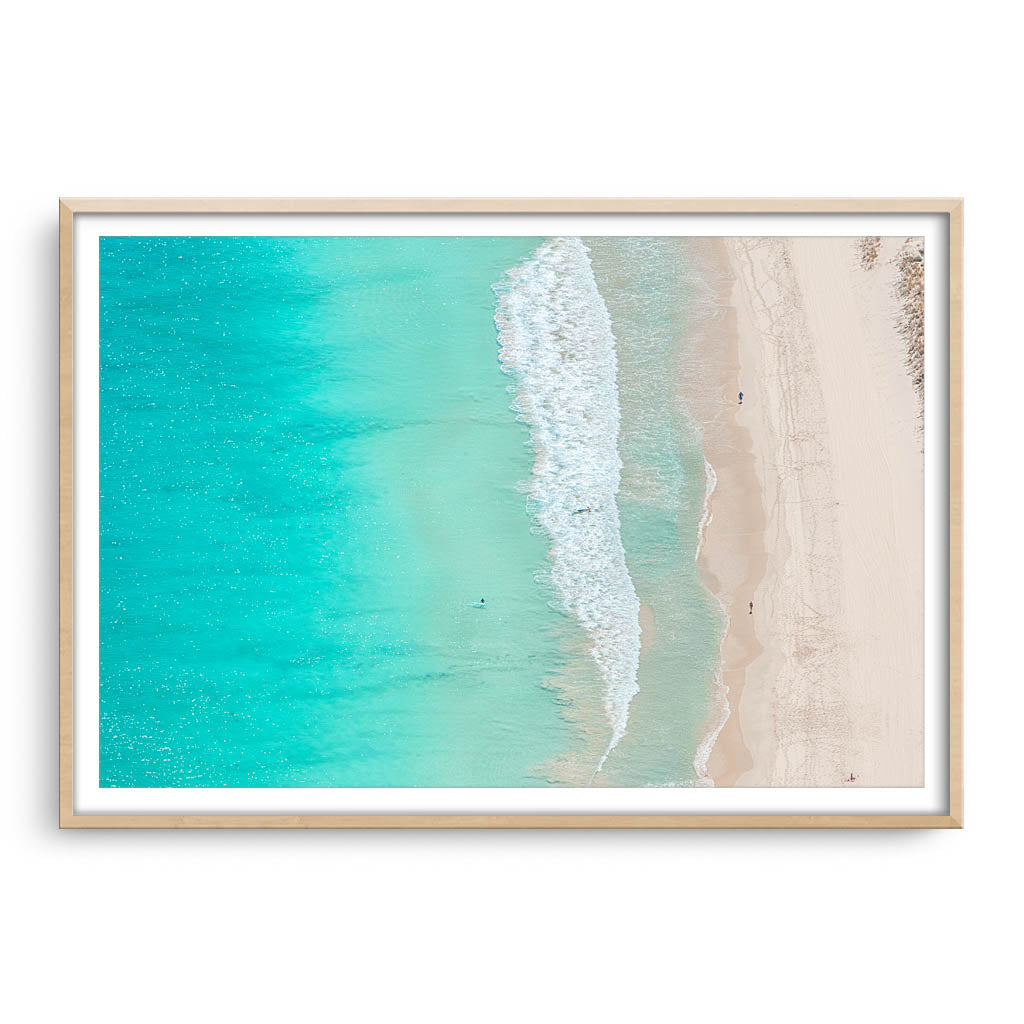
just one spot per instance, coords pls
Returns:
(556, 342)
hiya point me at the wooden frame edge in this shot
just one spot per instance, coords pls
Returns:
(956, 514)
(508, 205)
(512, 821)
(68, 207)
(66, 515)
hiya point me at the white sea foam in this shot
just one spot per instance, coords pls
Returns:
(556, 341)
(710, 483)
(720, 696)
(720, 692)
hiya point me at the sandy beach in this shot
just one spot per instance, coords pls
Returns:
(816, 517)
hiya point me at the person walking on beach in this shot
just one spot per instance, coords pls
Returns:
(741, 398)
(751, 612)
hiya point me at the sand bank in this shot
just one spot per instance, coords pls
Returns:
(817, 518)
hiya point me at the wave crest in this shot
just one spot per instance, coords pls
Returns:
(556, 342)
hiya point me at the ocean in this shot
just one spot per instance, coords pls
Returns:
(339, 543)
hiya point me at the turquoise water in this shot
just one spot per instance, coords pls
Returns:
(310, 473)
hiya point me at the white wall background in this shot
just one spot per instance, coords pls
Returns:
(518, 98)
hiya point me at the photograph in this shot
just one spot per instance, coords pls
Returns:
(511, 511)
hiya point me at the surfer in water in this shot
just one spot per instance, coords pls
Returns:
(577, 511)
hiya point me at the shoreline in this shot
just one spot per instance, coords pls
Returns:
(731, 558)
(817, 517)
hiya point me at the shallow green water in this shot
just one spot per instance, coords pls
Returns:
(649, 288)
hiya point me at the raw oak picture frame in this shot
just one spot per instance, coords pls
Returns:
(951, 208)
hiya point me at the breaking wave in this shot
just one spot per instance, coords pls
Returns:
(556, 342)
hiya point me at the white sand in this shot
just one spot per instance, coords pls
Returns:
(833, 422)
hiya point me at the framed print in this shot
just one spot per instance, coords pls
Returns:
(514, 513)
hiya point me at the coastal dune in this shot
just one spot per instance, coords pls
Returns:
(817, 519)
